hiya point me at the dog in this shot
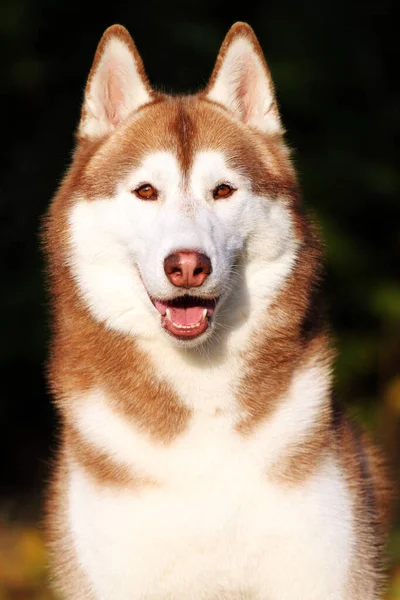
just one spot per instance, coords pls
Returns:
(202, 455)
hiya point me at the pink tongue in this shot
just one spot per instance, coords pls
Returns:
(187, 316)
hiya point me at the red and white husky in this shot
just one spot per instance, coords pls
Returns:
(201, 454)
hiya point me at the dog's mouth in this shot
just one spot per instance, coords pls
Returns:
(186, 317)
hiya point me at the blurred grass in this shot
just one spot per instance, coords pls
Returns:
(23, 574)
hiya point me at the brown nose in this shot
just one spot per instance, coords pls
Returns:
(187, 268)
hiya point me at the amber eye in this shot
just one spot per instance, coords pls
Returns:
(146, 192)
(223, 191)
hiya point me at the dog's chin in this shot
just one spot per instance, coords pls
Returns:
(188, 320)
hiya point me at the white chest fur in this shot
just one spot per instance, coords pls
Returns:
(214, 527)
(228, 534)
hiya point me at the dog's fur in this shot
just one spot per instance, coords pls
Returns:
(217, 466)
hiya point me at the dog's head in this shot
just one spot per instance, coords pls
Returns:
(179, 209)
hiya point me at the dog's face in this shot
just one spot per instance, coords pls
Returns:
(182, 221)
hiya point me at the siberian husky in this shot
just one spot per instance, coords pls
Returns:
(201, 455)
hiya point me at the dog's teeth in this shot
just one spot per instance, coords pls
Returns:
(168, 314)
(203, 318)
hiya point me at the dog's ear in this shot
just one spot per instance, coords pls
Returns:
(117, 84)
(242, 83)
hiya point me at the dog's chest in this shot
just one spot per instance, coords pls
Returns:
(212, 527)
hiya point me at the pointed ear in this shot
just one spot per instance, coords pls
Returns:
(117, 84)
(242, 83)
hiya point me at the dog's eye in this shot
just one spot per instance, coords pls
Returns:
(223, 191)
(146, 192)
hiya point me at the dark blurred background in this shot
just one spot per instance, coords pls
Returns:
(335, 65)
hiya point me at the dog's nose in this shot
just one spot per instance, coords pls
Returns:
(187, 268)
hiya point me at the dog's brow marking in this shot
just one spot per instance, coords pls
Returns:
(185, 131)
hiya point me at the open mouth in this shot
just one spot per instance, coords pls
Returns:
(187, 316)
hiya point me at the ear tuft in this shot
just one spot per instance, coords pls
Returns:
(242, 83)
(116, 86)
